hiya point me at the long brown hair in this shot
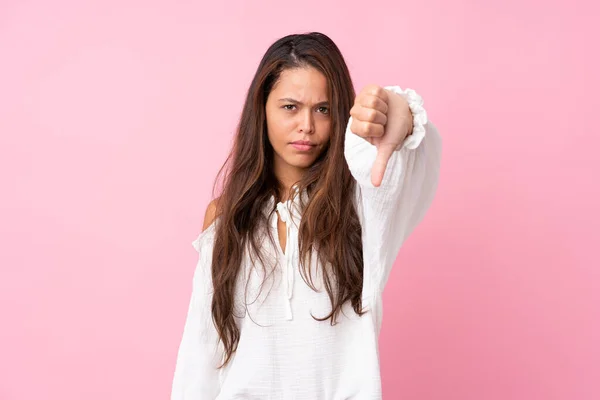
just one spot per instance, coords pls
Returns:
(329, 223)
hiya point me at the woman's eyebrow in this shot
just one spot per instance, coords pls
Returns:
(290, 100)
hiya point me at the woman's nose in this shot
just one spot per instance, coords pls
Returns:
(307, 122)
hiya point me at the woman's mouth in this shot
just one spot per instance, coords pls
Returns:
(303, 145)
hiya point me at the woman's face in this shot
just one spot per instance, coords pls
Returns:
(298, 118)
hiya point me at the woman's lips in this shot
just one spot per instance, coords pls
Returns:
(302, 145)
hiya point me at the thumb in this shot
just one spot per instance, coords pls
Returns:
(384, 152)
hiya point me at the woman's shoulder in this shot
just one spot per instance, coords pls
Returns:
(211, 213)
(206, 237)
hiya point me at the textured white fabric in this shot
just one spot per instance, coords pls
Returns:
(283, 352)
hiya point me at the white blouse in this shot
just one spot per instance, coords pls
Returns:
(283, 352)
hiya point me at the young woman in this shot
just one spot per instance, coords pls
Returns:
(319, 192)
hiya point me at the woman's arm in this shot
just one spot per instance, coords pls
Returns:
(196, 375)
(389, 212)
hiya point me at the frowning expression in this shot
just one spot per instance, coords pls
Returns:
(298, 117)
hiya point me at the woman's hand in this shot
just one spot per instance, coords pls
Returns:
(384, 119)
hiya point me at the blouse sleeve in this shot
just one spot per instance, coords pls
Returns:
(390, 212)
(196, 375)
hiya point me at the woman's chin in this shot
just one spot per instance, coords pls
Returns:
(303, 163)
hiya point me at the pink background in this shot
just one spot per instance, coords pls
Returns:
(115, 116)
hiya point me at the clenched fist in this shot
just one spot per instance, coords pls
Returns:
(384, 119)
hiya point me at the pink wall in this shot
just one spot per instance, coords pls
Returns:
(115, 116)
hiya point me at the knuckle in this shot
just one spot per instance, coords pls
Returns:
(368, 127)
(371, 114)
(370, 90)
(371, 102)
(378, 91)
(365, 129)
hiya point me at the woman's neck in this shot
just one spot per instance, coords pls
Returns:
(287, 175)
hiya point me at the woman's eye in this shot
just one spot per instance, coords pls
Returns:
(290, 107)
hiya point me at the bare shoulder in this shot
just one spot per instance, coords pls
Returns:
(211, 214)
